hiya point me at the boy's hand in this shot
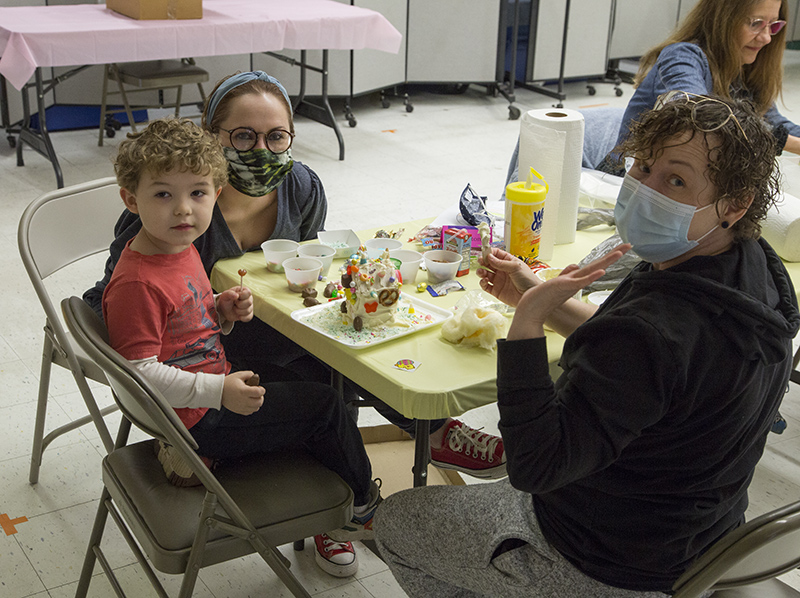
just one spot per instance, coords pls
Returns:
(236, 304)
(505, 276)
(238, 396)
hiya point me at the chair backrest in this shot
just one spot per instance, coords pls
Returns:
(760, 549)
(138, 400)
(64, 226)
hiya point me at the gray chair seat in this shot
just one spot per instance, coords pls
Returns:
(156, 74)
(298, 490)
(772, 588)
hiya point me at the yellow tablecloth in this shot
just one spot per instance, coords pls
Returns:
(450, 379)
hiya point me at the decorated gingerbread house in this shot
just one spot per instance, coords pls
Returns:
(371, 290)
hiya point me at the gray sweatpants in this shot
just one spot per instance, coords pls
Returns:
(439, 541)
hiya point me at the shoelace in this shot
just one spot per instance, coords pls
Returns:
(332, 545)
(482, 444)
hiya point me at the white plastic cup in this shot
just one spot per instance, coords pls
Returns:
(409, 263)
(302, 273)
(441, 264)
(376, 247)
(323, 253)
(276, 251)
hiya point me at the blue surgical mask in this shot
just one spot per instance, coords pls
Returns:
(654, 224)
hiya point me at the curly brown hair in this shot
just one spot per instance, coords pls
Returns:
(168, 145)
(739, 167)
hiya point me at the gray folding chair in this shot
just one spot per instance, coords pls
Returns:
(56, 230)
(145, 76)
(745, 562)
(251, 505)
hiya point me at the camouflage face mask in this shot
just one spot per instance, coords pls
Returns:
(256, 172)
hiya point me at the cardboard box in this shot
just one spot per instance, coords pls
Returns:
(458, 240)
(158, 9)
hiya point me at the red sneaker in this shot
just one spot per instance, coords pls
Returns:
(335, 558)
(470, 451)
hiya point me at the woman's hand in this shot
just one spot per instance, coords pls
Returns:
(540, 301)
(236, 304)
(240, 397)
(505, 276)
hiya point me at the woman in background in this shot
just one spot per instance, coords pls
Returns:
(728, 48)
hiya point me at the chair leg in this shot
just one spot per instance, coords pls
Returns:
(94, 543)
(125, 102)
(178, 101)
(103, 101)
(299, 545)
(41, 410)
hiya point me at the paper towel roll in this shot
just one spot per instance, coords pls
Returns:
(781, 228)
(551, 141)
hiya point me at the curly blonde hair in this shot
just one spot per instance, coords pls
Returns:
(168, 145)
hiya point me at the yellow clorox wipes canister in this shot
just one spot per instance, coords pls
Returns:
(524, 216)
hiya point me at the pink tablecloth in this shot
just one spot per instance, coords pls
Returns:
(34, 36)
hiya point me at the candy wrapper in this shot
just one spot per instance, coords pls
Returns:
(429, 236)
(616, 271)
(443, 288)
(473, 207)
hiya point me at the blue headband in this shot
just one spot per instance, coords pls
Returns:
(234, 82)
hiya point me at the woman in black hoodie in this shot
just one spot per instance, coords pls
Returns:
(638, 458)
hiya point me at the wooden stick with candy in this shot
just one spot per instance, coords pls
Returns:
(242, 273)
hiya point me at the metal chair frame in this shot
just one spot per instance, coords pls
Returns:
(147, 76)
(746, 561)
(247, 506)
(56, 230)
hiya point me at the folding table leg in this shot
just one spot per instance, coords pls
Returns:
(422, 451)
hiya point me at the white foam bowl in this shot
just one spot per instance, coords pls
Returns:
(598, 297)
(409, 263)
(441, 265)
(323, 253)
(376, 247)
(276, 251)
(344, 241)
(302, 273)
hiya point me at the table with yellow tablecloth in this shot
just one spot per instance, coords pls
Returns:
(450, 379)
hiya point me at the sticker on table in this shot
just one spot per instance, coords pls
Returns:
(407, 365)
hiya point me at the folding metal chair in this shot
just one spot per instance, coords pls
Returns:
(145, 76)
(56, 230)
(745, 562)
(251, 505)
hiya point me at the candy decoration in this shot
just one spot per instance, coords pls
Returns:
(242, 273)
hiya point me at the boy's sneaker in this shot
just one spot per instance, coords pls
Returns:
(335, 558)
(470, 451)
(360, 526)
(176, 469)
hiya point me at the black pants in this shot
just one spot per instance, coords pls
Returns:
(258, 347)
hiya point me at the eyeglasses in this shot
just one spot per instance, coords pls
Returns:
(245, 138)
(697, 100)
(757, 25)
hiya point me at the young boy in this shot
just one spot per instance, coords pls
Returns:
(162, 315)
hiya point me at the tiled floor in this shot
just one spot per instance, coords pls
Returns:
(399, 166)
